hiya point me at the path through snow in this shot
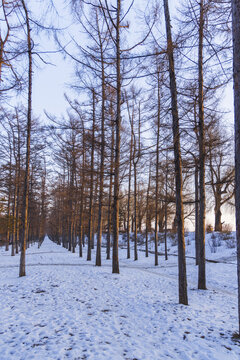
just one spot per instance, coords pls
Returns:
(66, 308)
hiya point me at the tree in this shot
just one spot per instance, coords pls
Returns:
(22, 270)
(183, 299)
(109, 220)
(130, 116)
(81, 232)
(102, 162)
(221, 171)
(10, 49)
(148, 221)
(91, 175)
(135, 160)
(157, 164)
(115, 260)
(236, 79)
(202, 156)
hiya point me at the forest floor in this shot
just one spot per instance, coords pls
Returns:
(67, 308)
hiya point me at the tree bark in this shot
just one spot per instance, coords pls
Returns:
(115, 260)
(9, 199)
(165, 209)
(18, 166)
(82, 193)
(100, 208)
(110, 192)
(183, 298)
(95, 196)
(202, 156)
(147, 211)
(129, 193)
(22, 268)
(91, 182)
(15, 211)
(135, 205)
(157, 172)
(196, 212)
(236, 78)
(217, 210)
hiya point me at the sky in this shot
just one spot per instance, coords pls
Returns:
(50, 84)
(51, 81)
(59, 76)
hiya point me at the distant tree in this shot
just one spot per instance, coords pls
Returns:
(148, 221)
(221, 171)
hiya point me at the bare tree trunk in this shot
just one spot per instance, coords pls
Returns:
(99, 234)
(135, 194)
(236, 77)
(17, 224)
(165, 209)
(14, 212)
(95, 196)
(9, 200)
(147, 210)
(22, 270)
(110, 194)
(135, 206)
(115, 260)
(196, 212)
(82, 192)
(91, 183)
(69, 222)
(157, 173)
(136, 156)
(183, 298)
(74, 225)
(196, 183)
(71, 201)
(202, 156)
(18, 164)
(129, 195)
(217, 210)
(43, 208)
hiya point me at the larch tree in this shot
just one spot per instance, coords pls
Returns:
(130, 116)
(157, 163)
(236, 79)
(10, 48)
(205, 21)
(22, 269)
(111, 96)
(91, 175)
(148, 221)
(202, 156)
(183, 298)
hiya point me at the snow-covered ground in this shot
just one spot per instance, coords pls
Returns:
(219, 246)
(66, 308)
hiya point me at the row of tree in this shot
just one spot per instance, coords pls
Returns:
(105, 67)
(136, 143)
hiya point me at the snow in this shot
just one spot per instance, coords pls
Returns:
(67, 308)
